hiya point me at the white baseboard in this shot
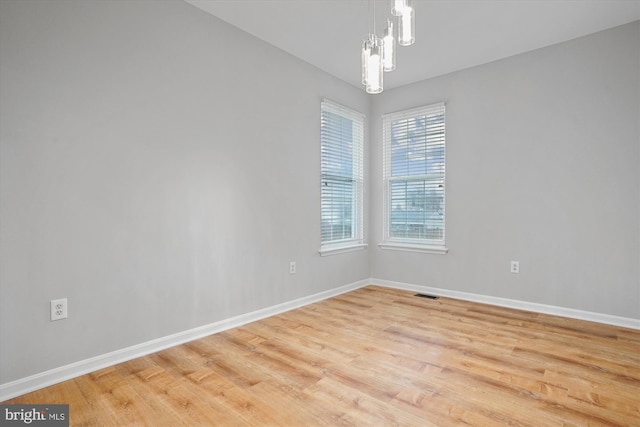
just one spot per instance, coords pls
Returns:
(63, 373)
(625, 322)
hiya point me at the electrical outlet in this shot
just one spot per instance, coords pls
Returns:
(58, 309)
(292, 267)
(515, 267)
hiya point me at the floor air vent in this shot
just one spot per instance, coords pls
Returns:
(426, 296)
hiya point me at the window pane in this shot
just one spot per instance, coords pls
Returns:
(337, 209)
(338, 148)
(414, 155)
(417, 210)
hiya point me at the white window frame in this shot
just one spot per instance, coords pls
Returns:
(393, 242)
(353, 155)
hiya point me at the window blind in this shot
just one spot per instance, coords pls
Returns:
(341, 165)
(414, 175)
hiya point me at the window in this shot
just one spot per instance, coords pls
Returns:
(341, 185)
(414, 179)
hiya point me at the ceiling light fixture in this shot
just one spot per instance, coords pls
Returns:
(406, 29)
(374, 75)
(398, 6)
(379, 54)
(389, 46)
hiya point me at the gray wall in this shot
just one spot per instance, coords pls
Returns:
(543, 166)
(160, 169)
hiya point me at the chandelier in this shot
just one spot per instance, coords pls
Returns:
(379, 54)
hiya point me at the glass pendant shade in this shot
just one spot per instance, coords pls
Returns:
(406, 27)
(389, 48)
(398, 6)
(366, 51)
(374, 67)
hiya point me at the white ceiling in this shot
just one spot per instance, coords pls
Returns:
(451, 35)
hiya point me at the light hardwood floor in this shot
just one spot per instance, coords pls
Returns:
(375, 356)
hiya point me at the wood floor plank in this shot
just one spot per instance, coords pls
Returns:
(374, 356)
(361, 408)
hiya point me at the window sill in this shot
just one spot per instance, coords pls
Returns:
(334, 250)
(408, 247)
